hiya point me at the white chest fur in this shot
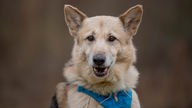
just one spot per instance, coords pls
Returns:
(80, 100)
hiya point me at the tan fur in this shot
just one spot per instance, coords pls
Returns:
(122, 73)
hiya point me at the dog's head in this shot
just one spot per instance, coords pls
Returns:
(103, 44)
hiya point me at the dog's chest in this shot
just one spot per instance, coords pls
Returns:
(80, 100)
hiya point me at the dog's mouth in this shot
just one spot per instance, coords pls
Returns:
(100, 71)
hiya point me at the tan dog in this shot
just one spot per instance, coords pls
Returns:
(102, 57)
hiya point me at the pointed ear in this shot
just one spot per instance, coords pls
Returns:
(74, 18)
(131, 19)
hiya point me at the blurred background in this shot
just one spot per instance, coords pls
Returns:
(35, 44)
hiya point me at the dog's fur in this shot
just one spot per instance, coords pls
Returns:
(120, 56)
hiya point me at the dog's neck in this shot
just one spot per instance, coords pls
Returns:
(120, 80)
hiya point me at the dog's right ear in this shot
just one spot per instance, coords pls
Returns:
(74, 18)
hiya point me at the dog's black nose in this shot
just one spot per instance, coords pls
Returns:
(99, 59)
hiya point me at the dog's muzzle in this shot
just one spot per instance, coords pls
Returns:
(99, 65)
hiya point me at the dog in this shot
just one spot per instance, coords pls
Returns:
(102, 63)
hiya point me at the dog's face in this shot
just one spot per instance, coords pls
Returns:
(104, 41)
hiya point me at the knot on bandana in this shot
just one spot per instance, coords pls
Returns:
(121, 99)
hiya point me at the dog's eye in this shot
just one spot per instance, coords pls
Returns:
(90, 38)
(111, 38)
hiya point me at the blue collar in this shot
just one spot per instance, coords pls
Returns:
(123, 98)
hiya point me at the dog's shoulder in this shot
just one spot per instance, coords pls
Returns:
(60, 98)
(61, 93)
(135, 100)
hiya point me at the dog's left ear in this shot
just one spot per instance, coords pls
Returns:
(131, 19)
(74, 18)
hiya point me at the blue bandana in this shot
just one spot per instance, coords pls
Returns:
(123, 98)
